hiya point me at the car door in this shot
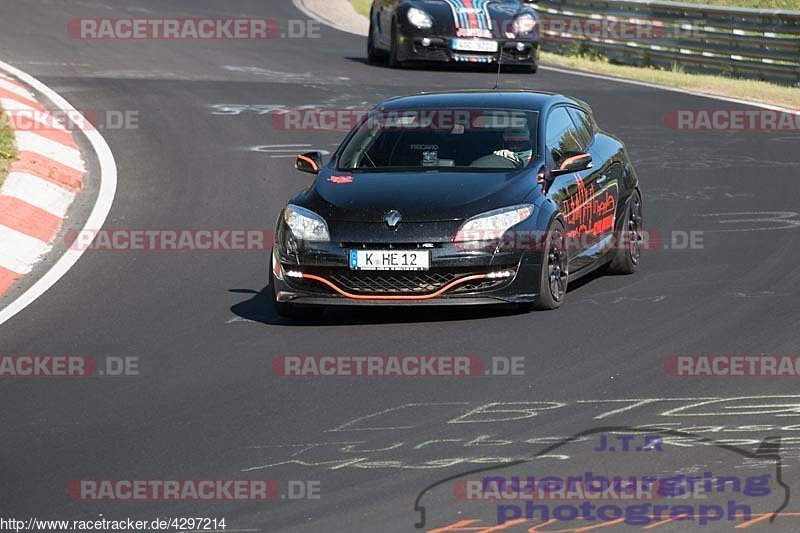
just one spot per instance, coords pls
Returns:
(573, 193)
(603, 182)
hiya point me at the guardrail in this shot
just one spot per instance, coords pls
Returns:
(750, 43)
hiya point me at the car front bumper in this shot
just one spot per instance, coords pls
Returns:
(440, 49)
(321, 276)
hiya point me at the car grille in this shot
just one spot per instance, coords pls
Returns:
(392, 282)
(399, 283)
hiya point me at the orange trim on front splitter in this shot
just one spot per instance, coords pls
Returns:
(441, 291)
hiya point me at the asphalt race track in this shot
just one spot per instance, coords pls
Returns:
(208, 406)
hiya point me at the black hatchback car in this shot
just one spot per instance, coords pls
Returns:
(476, 197)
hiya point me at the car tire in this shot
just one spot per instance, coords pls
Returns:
(554, 276)
(373, 54)
(289, 310)
(626, 261)
(532, 69)
(394, 61)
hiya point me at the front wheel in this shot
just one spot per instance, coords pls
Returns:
(394, 51)
(555, 269)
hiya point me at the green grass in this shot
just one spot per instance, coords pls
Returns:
(362, 6)
(8, 150)
(760, 4)
(757, 91)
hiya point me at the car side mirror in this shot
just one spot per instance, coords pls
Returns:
(310, 162)
(573, 163)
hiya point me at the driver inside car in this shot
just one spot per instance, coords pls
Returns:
(517, 146)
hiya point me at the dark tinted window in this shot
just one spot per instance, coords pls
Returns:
(466, 140)
(562, 135)
(584, 124)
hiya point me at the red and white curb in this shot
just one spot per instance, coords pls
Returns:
(42, 184)
(34, 198)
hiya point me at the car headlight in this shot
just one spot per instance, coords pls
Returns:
(494, 224)
(420, 19)
(524, 23)
(306, 225)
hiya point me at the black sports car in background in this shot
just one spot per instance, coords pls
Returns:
(475, 197)
(473, 31)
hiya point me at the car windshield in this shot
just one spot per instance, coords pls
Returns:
(456, 140)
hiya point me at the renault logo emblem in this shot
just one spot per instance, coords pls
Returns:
(393, 218)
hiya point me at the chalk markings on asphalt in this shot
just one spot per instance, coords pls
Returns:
(284, 151)
(774, 220)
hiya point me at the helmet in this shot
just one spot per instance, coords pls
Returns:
(518, 140)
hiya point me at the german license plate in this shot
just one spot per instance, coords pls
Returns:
(475, 45)
(390, 260)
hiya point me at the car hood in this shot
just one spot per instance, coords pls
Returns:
(418, 196)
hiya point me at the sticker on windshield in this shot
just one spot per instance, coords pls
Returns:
(430, 158)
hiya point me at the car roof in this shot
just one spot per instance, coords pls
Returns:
(505, 98)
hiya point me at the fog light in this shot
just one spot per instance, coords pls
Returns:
(521, 47)
(294, 274)
(500, 275)
(426, 42)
